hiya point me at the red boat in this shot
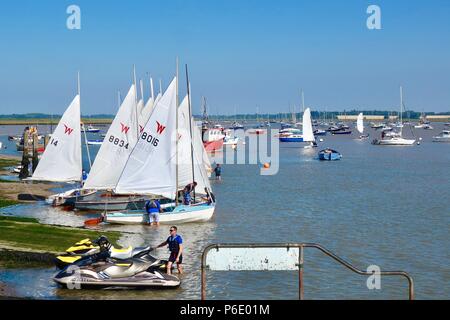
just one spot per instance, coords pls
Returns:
(213, 139)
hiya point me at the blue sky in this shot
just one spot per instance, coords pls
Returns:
(241, 53)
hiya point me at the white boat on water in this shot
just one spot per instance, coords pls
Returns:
(308, 133)
(95, 142)
(395, 141)
(444, 136)
(178, 214)
(360, 127)
(395, 138)
(160, 165)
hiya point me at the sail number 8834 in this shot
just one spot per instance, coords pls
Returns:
(118, 142)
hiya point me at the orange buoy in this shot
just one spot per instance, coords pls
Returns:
(266, 165)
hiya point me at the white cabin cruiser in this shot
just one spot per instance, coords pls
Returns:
(444, 136)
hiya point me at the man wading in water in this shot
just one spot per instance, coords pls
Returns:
(175, 243)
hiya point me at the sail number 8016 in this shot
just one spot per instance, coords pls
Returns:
(150, 139)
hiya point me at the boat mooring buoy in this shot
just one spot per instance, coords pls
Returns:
(266, 165)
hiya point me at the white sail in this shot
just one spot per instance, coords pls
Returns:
(140, 106)
(61, 160)
(308, 134)
(147, 111)
(151, 167)
(117, 146)
(190, 151)
(360, 123)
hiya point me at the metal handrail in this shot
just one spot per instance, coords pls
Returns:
(301, 246)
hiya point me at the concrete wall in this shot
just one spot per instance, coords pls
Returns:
(445, 117)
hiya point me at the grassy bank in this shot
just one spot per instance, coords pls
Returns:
(7, 203)
(27, 235)
(8, 162)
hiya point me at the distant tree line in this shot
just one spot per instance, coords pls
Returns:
(321, 115)
(48, 116)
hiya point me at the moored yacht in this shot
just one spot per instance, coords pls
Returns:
(444, 136)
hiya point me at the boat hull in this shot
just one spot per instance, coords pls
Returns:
(394, 142)
(212, 146)
(291, 139)
(329, 156)
(441, 139)
(181, 214)
(109, 203)
(69, 198)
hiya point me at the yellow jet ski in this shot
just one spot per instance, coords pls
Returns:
(87, 248)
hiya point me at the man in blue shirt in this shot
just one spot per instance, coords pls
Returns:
(218, 172)
(175, 243)
(153, 208)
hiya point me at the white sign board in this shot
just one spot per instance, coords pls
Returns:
(253, 259)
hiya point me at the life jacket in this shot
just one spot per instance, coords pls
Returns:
(174, 246)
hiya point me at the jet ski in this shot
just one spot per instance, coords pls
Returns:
(86, 248)
(98, 271)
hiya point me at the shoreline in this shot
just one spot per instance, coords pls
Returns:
(22, 192)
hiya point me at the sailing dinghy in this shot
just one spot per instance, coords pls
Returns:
(360, 127)
(164, 160)
(61, 160)
(308, 133)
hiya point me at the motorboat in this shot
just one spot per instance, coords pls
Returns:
(237, 126)
(341, 131)
(329, 155)
(444, 136)
(376, 125)
(89, 129)
(319, 132)
(394, 141)
(95, 142)
(291, 138)
(213, 139)
(288, 131)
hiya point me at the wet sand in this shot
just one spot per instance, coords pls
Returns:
(22, 191)
(6, 292)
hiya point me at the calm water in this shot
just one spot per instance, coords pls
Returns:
(388, 206)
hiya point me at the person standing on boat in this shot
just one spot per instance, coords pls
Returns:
(175, 243)
(187, 198)
(218, 172)
(153, 208)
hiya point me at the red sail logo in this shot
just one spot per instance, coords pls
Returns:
(124, 128)
(67, 130)
(141, 128)
(160, 128)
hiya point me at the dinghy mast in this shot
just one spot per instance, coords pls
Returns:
(190, 124)
(84, 131)
(176, 137)
(136, 102)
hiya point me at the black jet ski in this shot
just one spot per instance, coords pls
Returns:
(100, 271)
(86, 248)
